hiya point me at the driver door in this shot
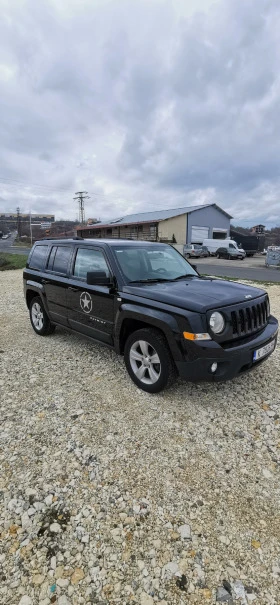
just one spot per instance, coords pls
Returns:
(90, 308)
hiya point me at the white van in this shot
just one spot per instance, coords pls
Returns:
(213, 244)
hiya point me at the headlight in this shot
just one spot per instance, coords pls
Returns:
(217, 322)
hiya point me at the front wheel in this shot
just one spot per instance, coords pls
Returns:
(148, 360)
(39, 319)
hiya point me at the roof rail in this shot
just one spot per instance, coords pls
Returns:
(58, 238)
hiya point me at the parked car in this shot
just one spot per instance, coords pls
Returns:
(205, 251)
(5, 236)
(230, 252)
(192, 251)
(145, 301)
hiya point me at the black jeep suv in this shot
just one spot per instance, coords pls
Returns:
(147, 302)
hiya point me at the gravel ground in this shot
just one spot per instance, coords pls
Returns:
(109, 495)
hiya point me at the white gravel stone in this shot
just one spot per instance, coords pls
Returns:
(55, 528)
(63, 600)
(26, 600)
(145, 599)
(185, 532)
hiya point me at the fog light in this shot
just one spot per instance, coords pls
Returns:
(214, 367)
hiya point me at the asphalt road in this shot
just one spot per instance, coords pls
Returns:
(251, 268)
(7, 245)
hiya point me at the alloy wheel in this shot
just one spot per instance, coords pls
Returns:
(37, 316)
(145, 362)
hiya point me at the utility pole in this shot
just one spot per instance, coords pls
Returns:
(18, 222)
(81, 197)
(30, 224)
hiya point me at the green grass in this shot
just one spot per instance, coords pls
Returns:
(12, 261)
(24, 244)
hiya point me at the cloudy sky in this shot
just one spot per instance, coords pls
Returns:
(146, 104)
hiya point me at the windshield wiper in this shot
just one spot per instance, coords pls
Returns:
(185, 275)
(148, 281)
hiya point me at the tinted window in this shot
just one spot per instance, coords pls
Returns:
(61, 259)
(88, 259)
(151, 262)
(51, 258)
(38, 256)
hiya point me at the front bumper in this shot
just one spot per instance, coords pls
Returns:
(232, 359)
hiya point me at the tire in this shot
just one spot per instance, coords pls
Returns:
(39, 319)
(188, 256)
(156, 376)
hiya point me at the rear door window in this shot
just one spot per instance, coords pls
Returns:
(61, 259)
(38, 257)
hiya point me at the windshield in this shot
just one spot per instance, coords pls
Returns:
(151, 263)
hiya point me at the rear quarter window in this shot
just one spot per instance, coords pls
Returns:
(38, 257)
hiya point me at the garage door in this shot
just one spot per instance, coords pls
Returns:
(199, 234)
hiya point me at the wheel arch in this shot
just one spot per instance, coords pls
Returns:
(130, 319)
(34, 290)
(30, 294)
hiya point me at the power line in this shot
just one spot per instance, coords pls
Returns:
(81, 197)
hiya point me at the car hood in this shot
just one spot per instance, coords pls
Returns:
(195, 294)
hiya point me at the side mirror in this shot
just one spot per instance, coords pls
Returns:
(98, 278)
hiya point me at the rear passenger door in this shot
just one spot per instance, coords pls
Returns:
(90, 308)
(56, 282)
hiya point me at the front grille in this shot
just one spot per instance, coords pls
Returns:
(249, 319)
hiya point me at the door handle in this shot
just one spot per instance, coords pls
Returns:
(45, 281)
(73, 289)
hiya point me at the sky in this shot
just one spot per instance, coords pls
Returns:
(145, 104)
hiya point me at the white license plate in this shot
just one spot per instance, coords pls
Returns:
(264, 351)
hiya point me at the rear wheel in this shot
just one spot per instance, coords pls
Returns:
(39, 319)
(187, 255)
(148, 360)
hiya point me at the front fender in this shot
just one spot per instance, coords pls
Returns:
(152, 317)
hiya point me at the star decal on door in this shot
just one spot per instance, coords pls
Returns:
(86, 302)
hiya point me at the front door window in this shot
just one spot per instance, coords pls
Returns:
(89, 260)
